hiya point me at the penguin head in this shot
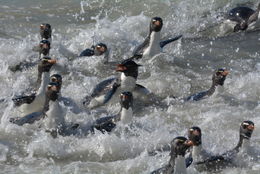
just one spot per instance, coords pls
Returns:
(99, 49)
(156, 24)
(45, 31)
(219, 77)
(46, 64)
(179, 145)
(45, 47)
(128, 67)
(194, 134)
(56, 78)
(246, 129)
(126, 100)
(52, 91)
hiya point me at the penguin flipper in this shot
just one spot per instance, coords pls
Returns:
(30, 118)
(165, 42)
(19, 100)
(140, 48)
(87, 52)
(105, 124)
(188, 161)
(105, 86)
(197, 96)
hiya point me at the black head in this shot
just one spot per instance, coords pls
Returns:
(126, 100)
(56, 78)
(156, 24)
(241, 26)
(246, 129)
(45, 47)
(128, 67)
(194, 134)
(52, 91)
(45, 31)
(219, 77)
(99, 49)
(46, 64)
(179, 145)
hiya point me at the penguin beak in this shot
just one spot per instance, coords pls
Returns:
(157, 23)
(225, 73)
(121, 68)
(52, 61)
(189, 143)
(251, 127)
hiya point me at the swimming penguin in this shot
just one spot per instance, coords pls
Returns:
(35, 102)
(243, 16)
(203, 160)
(106, 89)
(95, 50)
(51, 93)
(45, 31)
(176, 165)
(218, 79)
(152, 44)
(107, 124)
(238, 155)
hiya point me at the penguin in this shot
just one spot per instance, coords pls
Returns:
(35, 102)
(176, 165)
(203, 160)
(152, 44)
(243, 16)
(45, 31)
(237, 155)
(125, 116)
(95, 50)
(51, 93)
(68, 102)
(218, 80)
(105, 90)
(43, 48)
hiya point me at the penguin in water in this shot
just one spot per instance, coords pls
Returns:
(68, 102)
(218, 80)
(243, 16)
(35, 102)
(202, 160)
(176, 165)
(237, 156)
(99, 49)
(51, 93)
(45, 31)
(105, 90)
(43, 48)
(152, 44)
(125, 116)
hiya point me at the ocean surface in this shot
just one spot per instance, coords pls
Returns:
(184, 67)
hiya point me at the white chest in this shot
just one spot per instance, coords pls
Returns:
(154, 45)
(127, 83)
(180, 166)
(199, 154)
(55, 116)
(38, 103)
(126, 115)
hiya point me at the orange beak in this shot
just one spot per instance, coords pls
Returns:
(225, 73)
(189, 143)
(251, 127)
(52, 61)
(157, 23)
(121, 68)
